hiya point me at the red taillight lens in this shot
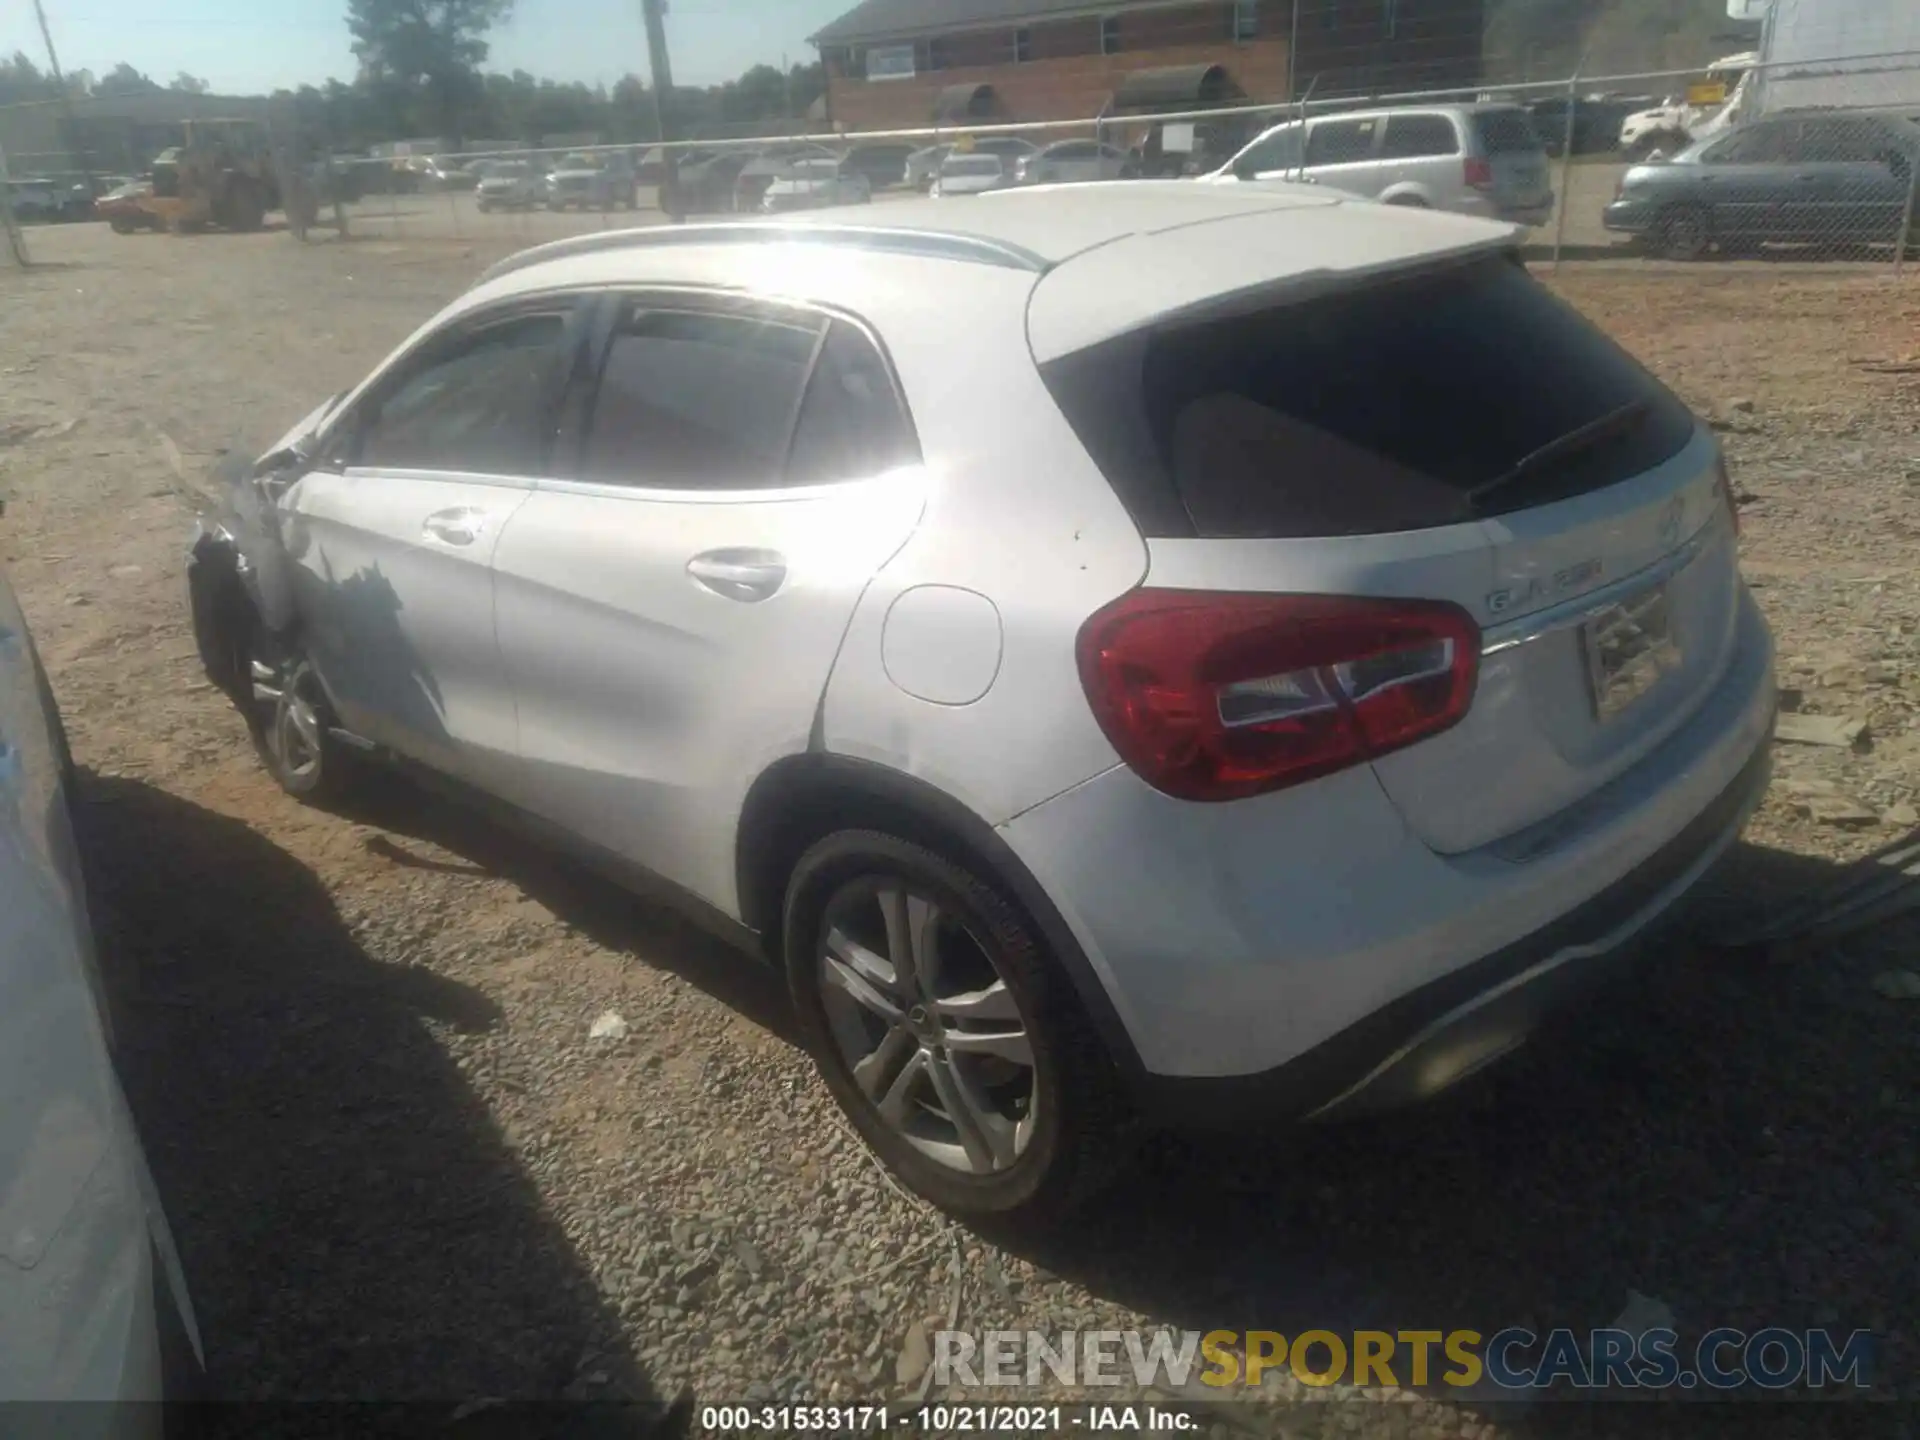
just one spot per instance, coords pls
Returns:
(1212, 696)
(1479, 173)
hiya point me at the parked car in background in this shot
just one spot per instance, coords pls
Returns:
(768, 166)
(593, 182)
(884, 164)
(814, 183)
(651, 168)
(972, 175)
(1068, 161)
(1471, 159)
(1827, 179)
(1010, 148)
(1670, 127)
(121, 208)
(34, 200)
(512, 185)
(707, 185)
(1596, 122)
(1325, 657)
(93, 1304)
(924, 164)
(444, 174)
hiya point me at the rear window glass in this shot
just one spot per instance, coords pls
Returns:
(1369, 411)
(1506, 132)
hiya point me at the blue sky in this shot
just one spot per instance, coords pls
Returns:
(247, 46)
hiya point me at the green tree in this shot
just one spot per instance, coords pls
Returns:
(432, 47)
(123, 79)
(189, 84)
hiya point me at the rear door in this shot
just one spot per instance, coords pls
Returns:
(1457, 435)
(671, 606)
(1420, 155)
(1855, 172)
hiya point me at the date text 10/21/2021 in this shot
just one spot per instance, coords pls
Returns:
(946, 1418)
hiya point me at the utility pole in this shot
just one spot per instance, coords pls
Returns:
(66, 99)
(654, 12)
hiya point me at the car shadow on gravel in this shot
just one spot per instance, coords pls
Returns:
(645, 927)
(353, 1224)
(1728, 1131)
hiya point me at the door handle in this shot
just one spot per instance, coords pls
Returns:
(460, 526)
(744, 575)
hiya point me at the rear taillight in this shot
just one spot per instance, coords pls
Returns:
(1213, 696)
(1479, 173)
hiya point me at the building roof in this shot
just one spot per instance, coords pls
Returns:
(887, 19)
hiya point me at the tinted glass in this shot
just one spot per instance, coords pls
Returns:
(479, 408)
(1505, 132)
(1843, 140)
(1373, 410)
(702, 399)
(851, 423)
(1334, 142)
(1072, 150)
(1412, 136)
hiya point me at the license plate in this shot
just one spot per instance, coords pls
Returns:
(1628, 647)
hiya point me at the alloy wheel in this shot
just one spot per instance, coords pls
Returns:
(929, 1030)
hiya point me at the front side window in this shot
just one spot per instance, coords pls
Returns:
(699, 399)
(480, 407)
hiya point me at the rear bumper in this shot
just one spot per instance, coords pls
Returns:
(1431, 1039)
(1280, 951)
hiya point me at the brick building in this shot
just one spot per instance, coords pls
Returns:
(901, 63)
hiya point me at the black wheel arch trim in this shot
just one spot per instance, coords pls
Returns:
(762, 867)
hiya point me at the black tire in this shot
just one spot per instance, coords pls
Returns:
(303, 759)
(1683, 232)
(1080, 1124)
(121, 225)
(1408, 202)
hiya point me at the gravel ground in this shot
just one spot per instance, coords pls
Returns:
(399, 1166)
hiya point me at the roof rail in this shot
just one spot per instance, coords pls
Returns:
(931, 244)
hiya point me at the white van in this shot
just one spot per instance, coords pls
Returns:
(1472, 159)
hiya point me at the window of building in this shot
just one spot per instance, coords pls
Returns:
(939, 53)
(1110, 35)
(1246, 19)
(1022, 46)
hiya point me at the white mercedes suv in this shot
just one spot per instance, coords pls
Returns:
(1132, 653)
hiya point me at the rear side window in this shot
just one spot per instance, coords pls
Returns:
(698, 399)
(1411, 137)
(851, 424)
(1505, 132)
(1337, 142)
(1373, 410)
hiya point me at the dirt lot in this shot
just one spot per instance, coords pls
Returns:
(399, 1167)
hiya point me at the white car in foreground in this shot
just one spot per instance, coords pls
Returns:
(92, 1303)
(1332, 646)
